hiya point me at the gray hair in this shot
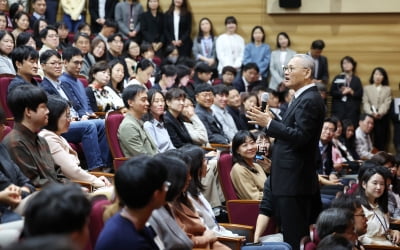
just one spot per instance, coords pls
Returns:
(307, 62)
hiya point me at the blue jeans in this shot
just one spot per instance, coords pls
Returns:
(71, 24)
(94, 141)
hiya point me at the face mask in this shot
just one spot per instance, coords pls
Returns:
(173, 59)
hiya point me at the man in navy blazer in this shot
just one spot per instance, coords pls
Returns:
(320, 62)
(294, 183)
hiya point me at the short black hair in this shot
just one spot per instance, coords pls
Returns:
(229, 69)
(251, 65)
(282, 34)
(333, 220)
(113, 36)
(203, 68)
(174, 93)
(335, 242)
(23, 53)
(57, 209)
(98, 67)
(197, 155)
(332, 120)
(43, 33)
(25, 96)
(56, 107)
(203, 87)
(230, 19)
(80, 34)
(23, 38)
(138, 178)
(262, 30)
(385, 80)
(318, 44)
(220, 89)
(111, 23)
(45, 56)
(131, 92)
(363, 116)
(70, 52)
(346, 201)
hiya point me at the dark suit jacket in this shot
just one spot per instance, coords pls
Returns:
(322, 73)
(185, 29)
(176, 130)
(239, 85)
(328, 161)
(151, 27)
(94, 13)
(294, 165)
(214, 128)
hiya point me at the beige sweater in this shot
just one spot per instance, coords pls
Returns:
(248, 185)
(65, 157)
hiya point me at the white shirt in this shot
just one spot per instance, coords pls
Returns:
(102, 7)
(226, 120)
(177, 18)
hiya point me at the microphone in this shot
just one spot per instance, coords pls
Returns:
(264, 100)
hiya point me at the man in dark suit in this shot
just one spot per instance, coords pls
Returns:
(320, 62)
(249, 78)
(98, 16)
(294, 183)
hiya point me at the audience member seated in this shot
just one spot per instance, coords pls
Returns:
(133, 139)
(64, 156)
(248, 101)
(20, 22)
(82, 42)
(38, 25)
(38, 11)
(163, 219)
(4, 19)
(257, 51)
(228, 75)
(230, 46)
(131, 55)
(353, 204)
(28, 150)
(98, 49)
(154, 121)
(190, 221)
(321, 73)
(7, 43)
(165, 78)
(335, 242)
(233, 107)
(193, 124)
(205, 99)
(25, 38)
(117, 80)
(249, 79)
(127, 16)
(348, 138)
(101, 97)
(279, 57)
(248, 177)
(144, 70)
(57, 242)
(91, 133)
(109, 28)
(141, 185)
(25, 62)
(220, 111)
(115, 45)
(373, 194)
(340, 153)
(59, 210)
(347, 91)
(363, 142)
(202, 74)
(338, 221)
(182, 80)
(62, 31)
(49, 38)
(174, 120)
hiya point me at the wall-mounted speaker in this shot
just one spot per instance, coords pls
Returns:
(289, 3)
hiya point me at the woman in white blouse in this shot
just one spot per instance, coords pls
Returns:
(63, 155)
(279, 58)
(6, 47)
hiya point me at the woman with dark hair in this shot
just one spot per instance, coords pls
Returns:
(64, 156)
(257, 51)
(101, 97)
(347, 91)
(193, 124)
(116, 76)
(25, 38)
(143, 72)
(166, 78)
(248, 101)
(248, 177)
(154, 121)
(13, 9)
(373, 195)
(171, 55)
(37, 26)
(7, 44)
(163, 220)
(348, 138)
(98, 49)
(204, 44)
(3, 20)
(178, 26)
(279, 58)
(21, 23)
(151, 25)
(132, 56)
(376, 102)
(175, 99)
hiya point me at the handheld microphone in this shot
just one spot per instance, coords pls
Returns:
(264, 100)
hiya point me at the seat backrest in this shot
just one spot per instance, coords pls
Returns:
(83, 80)
(96, 222)
(113, 120)
(6, 130)
(307, 244)
(4, 82)
(224, 174)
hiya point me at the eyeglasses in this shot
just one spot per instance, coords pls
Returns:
(290, 68)
(54, 64)
(166, 185)
(206, 95)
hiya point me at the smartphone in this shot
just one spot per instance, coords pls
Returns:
(259, 157)
(254, 244)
